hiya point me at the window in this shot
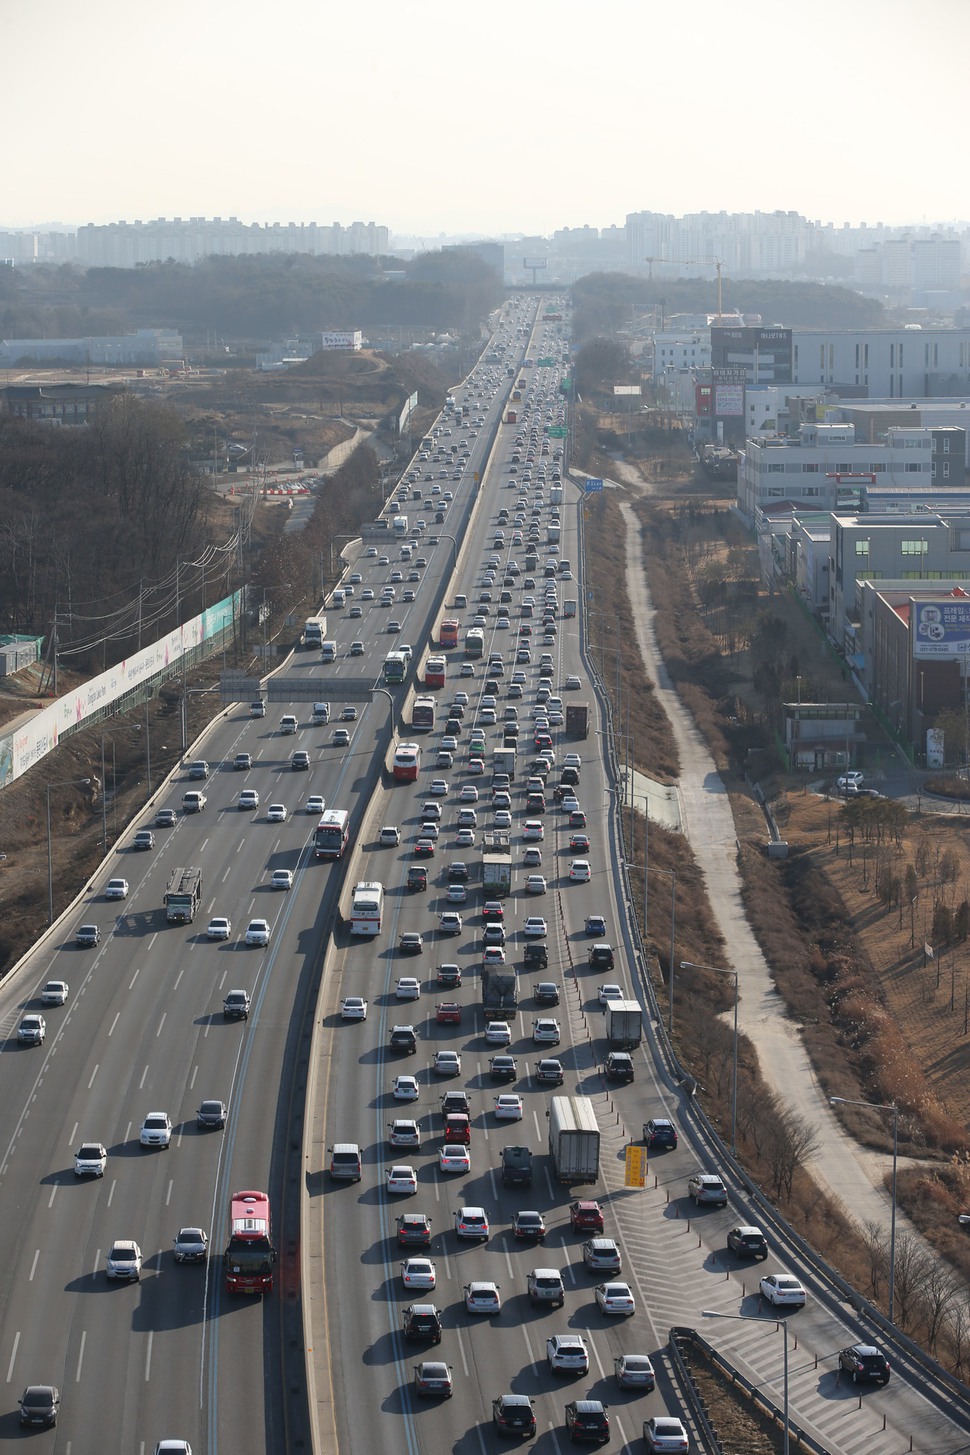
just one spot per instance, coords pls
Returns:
(913, 548)
(946, 469)
(946, 444)
(913, 468)
(862, 548)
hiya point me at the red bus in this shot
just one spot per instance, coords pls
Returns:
(407, 762)
(422, 714)
(332, 834)
(249, 1255)
(434, 672)
(448, 635)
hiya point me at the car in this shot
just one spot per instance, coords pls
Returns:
(90, 1160)
(248, 799)
(32, 1030)
(580, 871)
(383, 561)
(567, 1354)
(456, 894)
(467, 669)
(422, 1321)
(533, 829)
(498, 1033)
(219, 928)
(602, 1255)
(748, 1242)
(449, 743)
(535, 884)
(156, 1130)
(493, 909)
(55, 992)
(414, 1230)
(587, 1421)
(124, 1260)
(340, 738)
(235, 1006)
(355, 614)
(468, 794)
(405, 1088)
(367, 594)
(241, 763)
(408, 987)
(257, 932)
(281, 879)
(615, 1298)
(634, 1371)
(450, 922)
(404, 1132)
(532, 858)
(433, 1379)
(211, 1115)
(418, 1273)
(39, 1405)
(535, 927)
(528, 1226)
(449, 975)
(493, 955)
(782, 1289)
(864, 1362)
(191, 1245)
(545, 1031)
(708, 1189)
(389, 836)
(447, 1063)
(546, 992)
(850, 782)
(514, 1414)
(453, 1157)
(659, 1132)
(165, 819)
(401, 1179)
(424, 847)
(665, 1435)
(601, 955)
(508, 1107)
(471, 1224)
(87, 935)
(549, 1072)
(609, 992)
(619, 1066)
(116, 889)
(438, 788)
(476, 765)
(503, 1068)
(353, 1008)
(572, 683)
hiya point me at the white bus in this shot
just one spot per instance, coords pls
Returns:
(367, 908)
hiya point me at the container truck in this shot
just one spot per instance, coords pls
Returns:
(574, 1139)
(624, 1024)
(500, 991)
(400, 524)
(314, 631)
(503, 761)
(511, 417)
(496, 865)
(555, 495)
(553, 533)
(577, 719)
(183, 896)
(569, 609)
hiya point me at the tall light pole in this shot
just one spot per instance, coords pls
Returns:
(884, 1106)
(778, 1323)
(64, 783)
(134, 727)
(719, 970)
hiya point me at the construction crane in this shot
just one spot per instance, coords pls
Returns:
(688, 262)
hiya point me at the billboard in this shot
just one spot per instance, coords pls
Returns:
(728, 400)
(941, 628)
(534, 262)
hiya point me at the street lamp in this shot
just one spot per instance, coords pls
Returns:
(778, 1323)
(884, 1106)
(719, 970)
(135, 727)
(65, 783)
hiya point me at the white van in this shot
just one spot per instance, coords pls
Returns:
(329, 652)
(288, 724)
(321, 713)
(338, 598)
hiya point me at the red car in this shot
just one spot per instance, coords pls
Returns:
(448, 1013)
(458, 1129)
(586, 1216)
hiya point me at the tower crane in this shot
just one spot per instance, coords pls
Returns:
(687, 262)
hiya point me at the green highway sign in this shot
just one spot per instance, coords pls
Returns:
(557, 432)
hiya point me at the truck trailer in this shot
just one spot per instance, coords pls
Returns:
(574, 1139)
(624, 1024)
(496, 865)
(577, 719)
(183, 896)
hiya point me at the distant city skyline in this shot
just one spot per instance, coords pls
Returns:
(439, 122)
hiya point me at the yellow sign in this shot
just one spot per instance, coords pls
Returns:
(636, 1166)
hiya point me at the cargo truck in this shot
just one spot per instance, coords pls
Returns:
(569, 609)
(500, 991)
(183, 896)
(314, 631)
(577, 719)
(503, 761)
(574, 1139)
(624, 1024)
(511, 417)
(400, 524)
(555, 495)
(553, 534)
(496, 865)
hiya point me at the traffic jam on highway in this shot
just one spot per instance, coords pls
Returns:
(480, 1046)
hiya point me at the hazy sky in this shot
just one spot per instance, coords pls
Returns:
(447, 118)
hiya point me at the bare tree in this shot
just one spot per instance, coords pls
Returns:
(790, 1143)
(913, 1268)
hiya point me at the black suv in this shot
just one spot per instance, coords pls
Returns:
(619, 1066)
(422, 1321)
(586, 1419)
(659, 1132)
(457, 872)
(748, 1242)
(864, 1362)
(537, 955)
(449, 975)
(516, 1167)
(403, 1038)
(513, 1414)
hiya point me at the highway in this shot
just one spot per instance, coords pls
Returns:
(142, 1030)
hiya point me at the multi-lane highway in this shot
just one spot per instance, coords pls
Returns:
(143, 1030)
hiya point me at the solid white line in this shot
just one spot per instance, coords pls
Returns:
(13, 1356)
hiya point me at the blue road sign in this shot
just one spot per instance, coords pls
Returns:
(593, 485)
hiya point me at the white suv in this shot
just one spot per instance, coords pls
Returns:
(156, 1130)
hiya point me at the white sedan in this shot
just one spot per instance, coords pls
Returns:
(405, 1088)
(783, 1289)
(498, 1033)
(353, 1008)
(508, 1107)
(219, 929)
(447, 1063)
(407, 988)
(454, 1158)
(418, 1273)
(282, 879)
(439, 787)
(610, 992)
(580, 871)
(535, 928)
(402, 1179)
(276, 813)
(116, 889)
(615, 1298)
(468, 794)
(482, 1298)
